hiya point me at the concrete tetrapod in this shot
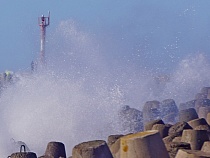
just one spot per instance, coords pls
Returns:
(203, 127)
(113, 138)
(114, 144)
(168, 106)
(92, 149)
(206, 147)
(173, 147)
(208, 118)
(151, 111)
(205, 90)
(201, 103)
(178, 128)
(147, 144)
(169, 138)
(162, 129)
(182, 153)
(115, 149)
(200, 96)
(186, 105)
(23, 155)
(203, 111)
(131, 120)
(55, 150)
(195, 138)
(149, 125)
(177, 139)
(196, 122)
(187, 115)
(169, 111)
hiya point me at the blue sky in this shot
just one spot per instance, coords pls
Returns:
(149, 33)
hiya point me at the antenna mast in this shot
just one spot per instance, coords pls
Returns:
(43, 23)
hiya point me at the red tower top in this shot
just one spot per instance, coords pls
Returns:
(44, 21)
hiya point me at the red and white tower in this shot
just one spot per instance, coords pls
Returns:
(43, 23)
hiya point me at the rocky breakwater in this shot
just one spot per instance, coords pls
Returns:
(160, 130)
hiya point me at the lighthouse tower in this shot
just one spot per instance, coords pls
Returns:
(43, 23)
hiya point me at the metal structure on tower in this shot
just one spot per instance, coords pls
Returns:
(43, 23)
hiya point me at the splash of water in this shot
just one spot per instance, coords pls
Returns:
(79, 96)
(190, 76)
(71, 101)
(44, 108)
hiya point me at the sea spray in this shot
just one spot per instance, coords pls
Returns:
(43, 108)
(191, 74)
(75, 98)
(79, 94)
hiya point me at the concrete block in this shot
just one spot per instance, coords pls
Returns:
(113, 138)
(151, 111)
(55, 149)
(205, 90)
(115, 145)
(187, 115)
(23, 155)
(201, 103)
(162, 129)
(178, 128)
(203, 111)
(92, 149)
(195, 138)
(175, 146)
(203, 127)
(167, 107)
(171, 118)
(149, 125)
(197, 122)
(131, 120)
(187, 105)
(206, 147)
(146, 144)
(201, 96)
(115, 149)
(182, 153)
(177, 139)
(169, 139)
(208, 118)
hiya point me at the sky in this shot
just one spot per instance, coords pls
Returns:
(147, 33)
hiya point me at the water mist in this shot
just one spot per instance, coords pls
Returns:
(78, 97)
